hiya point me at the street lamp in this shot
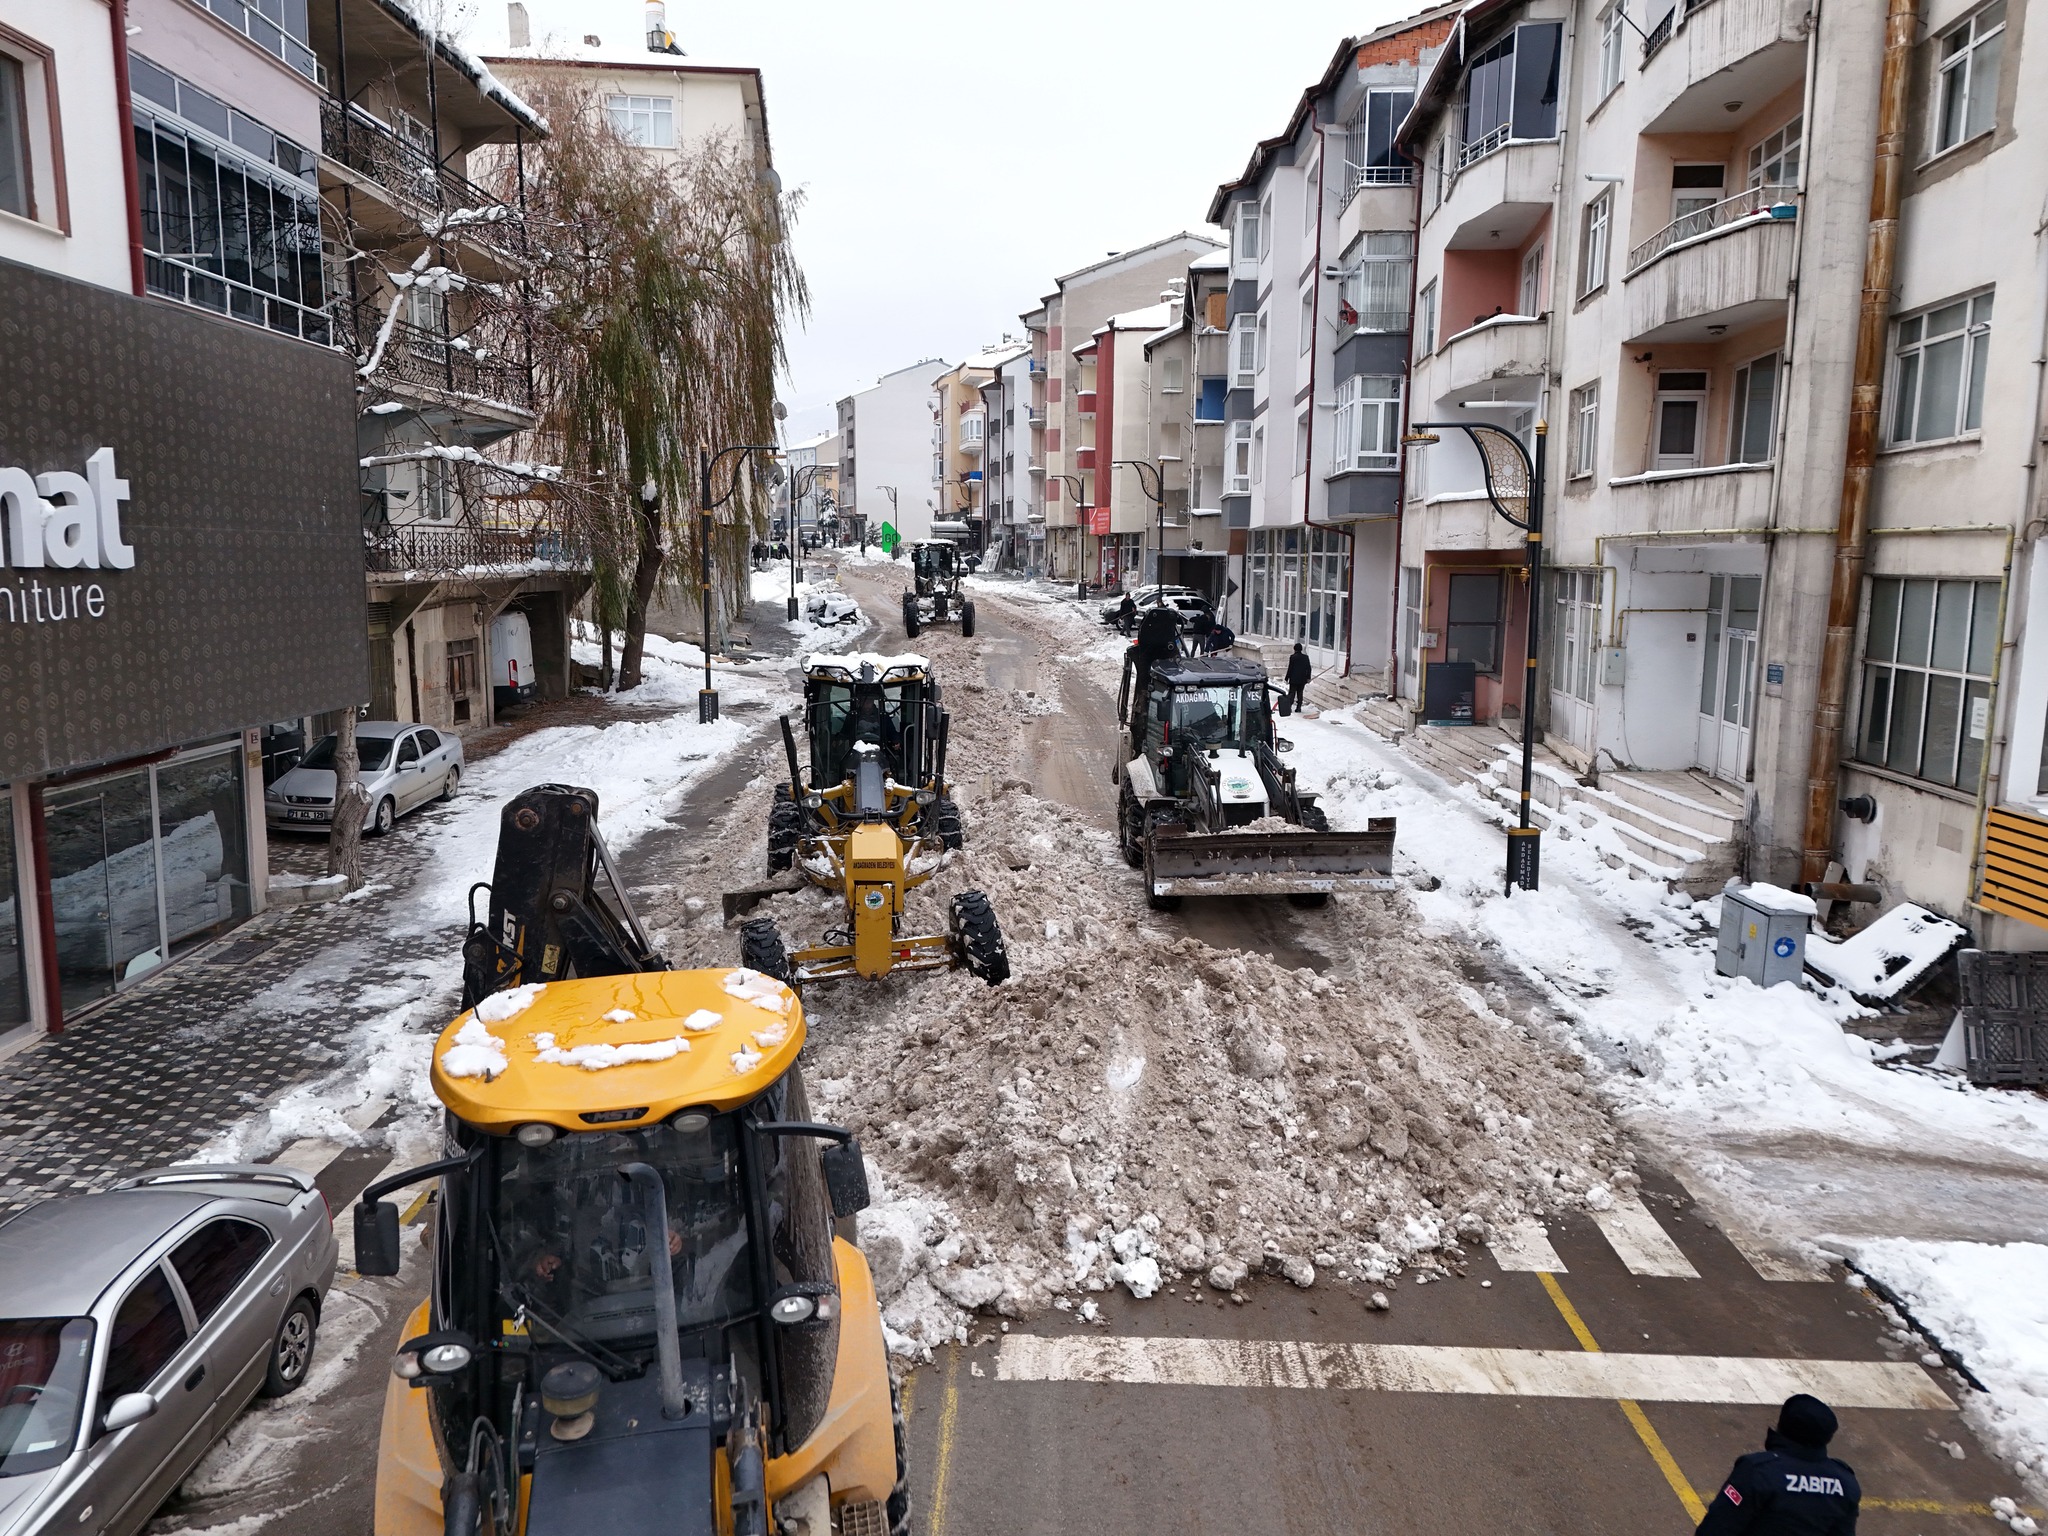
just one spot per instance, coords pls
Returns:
(707, 466)
(1513, 481)
(1152, 481)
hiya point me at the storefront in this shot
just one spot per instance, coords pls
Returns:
(1297, 587)
(183, 569)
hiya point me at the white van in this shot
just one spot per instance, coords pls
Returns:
(513, 680)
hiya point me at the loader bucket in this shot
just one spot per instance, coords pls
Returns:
(1293, 863)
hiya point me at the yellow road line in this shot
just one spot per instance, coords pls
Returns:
(412, 1211)
(904, 1394)
(1638, 1420)
(942, 1460)
(1939, 1507)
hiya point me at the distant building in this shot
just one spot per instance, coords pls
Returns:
(885, 464)
(1015, 530)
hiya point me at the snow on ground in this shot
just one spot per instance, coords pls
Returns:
(1989, 1304)
(1134, 1107)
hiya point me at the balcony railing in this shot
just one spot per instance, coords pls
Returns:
(1755, 203)
(423, 359)
(391, 549)
(267, 35)
(1357, 176)
(452, 204)
(1377, 321)
(1662, 33)
(1481, 147)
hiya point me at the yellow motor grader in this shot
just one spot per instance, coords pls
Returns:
(875, 821)
(645, 1313)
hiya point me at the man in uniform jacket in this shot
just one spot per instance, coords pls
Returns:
(1791, 1487)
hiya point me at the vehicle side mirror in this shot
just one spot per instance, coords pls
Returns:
(129, 1408)
(846, 1178)
(376, 1238)
(1282, 744)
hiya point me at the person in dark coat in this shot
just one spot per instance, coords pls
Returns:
(1126, 613)
(1791, 1487)
(1298, 673)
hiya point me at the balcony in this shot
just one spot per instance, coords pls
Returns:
(1703, 53)
(1084, 402)
(409, 548)
(972, 429)
(1084, 458)
(1695, 289)
(268, 35)
(1499, 193)
(1756, 203)
(1692, 500)
(419, 359)
(443, 202)
(1478, 361)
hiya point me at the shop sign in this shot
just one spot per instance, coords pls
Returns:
(61, 521)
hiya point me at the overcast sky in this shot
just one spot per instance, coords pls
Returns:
(954, 159)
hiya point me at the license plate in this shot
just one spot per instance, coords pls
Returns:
(303, 815)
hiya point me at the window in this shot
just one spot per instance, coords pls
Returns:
(213, 1260)
(1585, 429)
(427, 308)
(1301, 444)
(1775, 162)
(1411, 621)
(415, 132)
(1371, 159)
(1613, 34)
(1755, 411)
(1599, 222)
(1172, 376)
(148, 1330)
(1928, 649)
(1531, 299)
(1311, 195)
(1574, 633)
(1472, 620)
(1263, 338)
(1308, 317)
(1244, 351)
(1258, 456)
(409, 749)
(1265, 227)
(15, 196)
(1246, 248)
(1695, 187)
(1425, 334)
(1681, 409)
(648, 121)
(230, 210)
(1967, 83)
(462, 668)
(1939, 363)
(1511, 90)
(430, 741)
(1297, 585)
(1237, 468)
(1368, 430)
(1376, 285)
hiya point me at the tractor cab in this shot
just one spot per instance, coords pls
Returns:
(934, 565)
(874, 722)
(639, 1314)
(1202, 704)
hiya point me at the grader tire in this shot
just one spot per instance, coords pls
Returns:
(967, 621)
(946, 823)
(785, 828)
(762, 949)
(910, 615)
(978, 940)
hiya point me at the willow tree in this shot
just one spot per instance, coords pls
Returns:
(666, 289)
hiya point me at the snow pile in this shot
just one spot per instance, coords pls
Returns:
(595, 1058)
(476, 1053)
(1989, 1304)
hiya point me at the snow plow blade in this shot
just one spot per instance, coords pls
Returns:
(1273, 863)
(739, 903)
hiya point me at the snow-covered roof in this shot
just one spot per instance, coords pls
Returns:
(1155, 317)
(559, 48)
(997, 355)
(1215, 261)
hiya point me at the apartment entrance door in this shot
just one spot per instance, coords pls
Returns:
(1728, 676)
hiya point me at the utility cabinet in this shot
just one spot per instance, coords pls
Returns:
(1763, 934)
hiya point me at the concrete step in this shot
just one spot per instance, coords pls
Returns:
(1701, 806)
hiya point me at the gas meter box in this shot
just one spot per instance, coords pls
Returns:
(1763, 934)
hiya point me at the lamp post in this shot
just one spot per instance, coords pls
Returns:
(802, 481)
(1512, 476)
(1152, 481)
(707, 466)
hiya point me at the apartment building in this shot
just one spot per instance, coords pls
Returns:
(959, 441)
(1184, 390)
(811, 487)
(1016, 522)
(1079, 545)
(1115, 404)
(1322, 230)
(886, 458)
(177, 451)
(1650, 247)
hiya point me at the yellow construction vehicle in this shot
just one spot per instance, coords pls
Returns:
(875, 822)
(645, 1313)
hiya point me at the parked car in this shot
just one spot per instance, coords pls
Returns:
(1183, 600)
(828, 605)
(513, 680)
(136, 1324)
(403, 767)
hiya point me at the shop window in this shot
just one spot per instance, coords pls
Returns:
(1928, 650)
(1939, 361)
(201, 820)
(1472, 628)
(1966, 85)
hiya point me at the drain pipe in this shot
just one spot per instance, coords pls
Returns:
(1308, 478)
(1852, 525)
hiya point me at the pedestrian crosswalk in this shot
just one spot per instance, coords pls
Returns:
(1640, 1241)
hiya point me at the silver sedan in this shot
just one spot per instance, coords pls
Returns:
(403, 767)
(135, 1325)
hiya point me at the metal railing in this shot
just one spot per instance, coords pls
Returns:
(267, 35)
(426, 359)
(1702, 221)
(1660, 34)
(1380, 320)
(1483, 146)
(1358, 176)
(462, 209)
(390, 549)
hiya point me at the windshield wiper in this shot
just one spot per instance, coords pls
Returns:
(617, 1367)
